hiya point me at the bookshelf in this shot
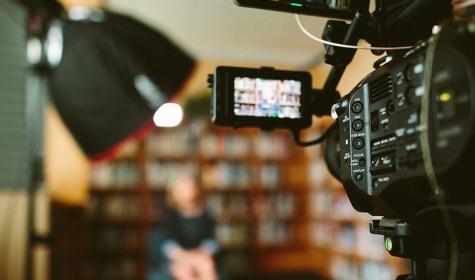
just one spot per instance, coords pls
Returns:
(245, 174)
(275, 204)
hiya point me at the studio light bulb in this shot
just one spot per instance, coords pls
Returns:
(168, 115)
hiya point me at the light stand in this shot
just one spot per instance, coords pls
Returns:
(36, 96)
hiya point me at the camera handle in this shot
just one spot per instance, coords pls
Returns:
(322, 100)
(339, 58)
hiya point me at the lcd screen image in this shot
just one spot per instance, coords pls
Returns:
(257, 97)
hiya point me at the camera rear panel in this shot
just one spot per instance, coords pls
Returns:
(381, 122)
(381, 155)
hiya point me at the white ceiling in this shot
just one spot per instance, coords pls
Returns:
(219, 30)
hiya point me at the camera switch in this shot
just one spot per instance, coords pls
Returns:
(358, 143)
(357, 107)
(358, 125)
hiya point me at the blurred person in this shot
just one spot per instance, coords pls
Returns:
(186, 246)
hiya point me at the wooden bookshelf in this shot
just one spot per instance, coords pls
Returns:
(258, 210)
(276, 206)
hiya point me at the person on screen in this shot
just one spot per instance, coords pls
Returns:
(188, 246)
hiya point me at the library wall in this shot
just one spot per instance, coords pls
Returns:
(255, 186)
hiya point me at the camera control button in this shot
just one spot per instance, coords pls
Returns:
(357, 107)
(358, 143)
(359, 177)
(358, 125)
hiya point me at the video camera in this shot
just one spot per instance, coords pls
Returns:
(402, 143)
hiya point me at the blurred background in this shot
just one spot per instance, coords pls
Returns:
(278, 211)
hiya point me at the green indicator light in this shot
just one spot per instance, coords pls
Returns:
(388, 243)
(296, 4)
(274, 116)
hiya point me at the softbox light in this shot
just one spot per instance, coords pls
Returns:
(114, 74)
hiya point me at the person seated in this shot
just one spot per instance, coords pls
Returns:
(187, 238)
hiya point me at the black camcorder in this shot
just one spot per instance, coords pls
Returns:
(377, 150)
(416, 110)
(402, 140)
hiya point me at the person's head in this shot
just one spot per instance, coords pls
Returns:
(185, 194)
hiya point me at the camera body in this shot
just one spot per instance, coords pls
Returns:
(264, 97)
(410, 120)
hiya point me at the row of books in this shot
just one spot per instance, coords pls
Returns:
(276, 206)
(274, 232)
(347, 269)
(111, 240)
(225, 207)
(269, 233)
(222, 206)
(231, 234)
(269, 146)
(347, 238)
(228, 146)
(114, 208)
(224, 175)
(214, 145)
(120, 174)
(159, 175)
(172, 143)
(326, 204)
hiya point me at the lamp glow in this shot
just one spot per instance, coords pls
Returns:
(168, 115)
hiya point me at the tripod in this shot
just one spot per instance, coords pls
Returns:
(418, 242)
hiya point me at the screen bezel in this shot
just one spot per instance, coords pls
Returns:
(228, 75)
(304, 9)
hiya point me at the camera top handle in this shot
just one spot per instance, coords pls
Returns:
(322, 100)
(339, 58)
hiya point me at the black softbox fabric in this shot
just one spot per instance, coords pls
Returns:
(113, 76)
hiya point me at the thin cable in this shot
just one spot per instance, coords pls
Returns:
(320, 40)
(323, 137)
(429, 166)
